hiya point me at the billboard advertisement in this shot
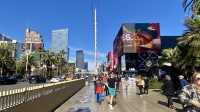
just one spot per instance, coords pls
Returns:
(140, 37)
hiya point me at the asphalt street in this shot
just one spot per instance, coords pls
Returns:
(18, 85)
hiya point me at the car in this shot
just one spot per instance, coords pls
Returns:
(8, 80)
(56, 79)
(36, 79)
(19, 78)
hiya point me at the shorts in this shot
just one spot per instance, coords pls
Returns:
(112, 91)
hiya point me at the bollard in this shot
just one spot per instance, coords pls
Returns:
(17, 90)
(11, 98)
(7, 99)
(14, 97)
(3, 99)
(20, 96)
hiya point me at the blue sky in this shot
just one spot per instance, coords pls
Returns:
(46, 15)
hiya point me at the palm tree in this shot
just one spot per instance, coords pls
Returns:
(189, 45)
(60, 61)
(167, 55)
(192, 6)
(48, 59)
(7, 62)
(31, 61)
(20, 68)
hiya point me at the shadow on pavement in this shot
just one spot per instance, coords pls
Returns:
(162, 103)
(157, 90)
(81, 109)
(165, 104)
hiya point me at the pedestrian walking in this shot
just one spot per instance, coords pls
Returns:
(118, 81)
(95, 80)
(105, 81)
(168, 89)
(112, 90)
(146, 85)
(140, 84)
(190, 95)
(183, 82)
(99, 90)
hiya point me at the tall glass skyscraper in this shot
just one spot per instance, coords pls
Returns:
(60, 41)
(80, 59)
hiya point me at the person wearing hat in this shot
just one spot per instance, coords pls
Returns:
(183, 82)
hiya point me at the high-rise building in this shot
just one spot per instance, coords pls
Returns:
(5, 39)
(33, 40)
(86, 66)
(80, 59)
(60, 41)
(19, 50)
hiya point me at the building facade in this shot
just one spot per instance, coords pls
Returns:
(5, 39)
(33, 41)
(168, 41)
(136, 47)
(60, 41)
(80, 59)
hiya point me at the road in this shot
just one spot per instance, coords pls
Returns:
(18, 85)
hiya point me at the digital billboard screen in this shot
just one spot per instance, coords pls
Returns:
(139, 37)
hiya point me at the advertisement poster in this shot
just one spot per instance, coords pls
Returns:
(140, 37)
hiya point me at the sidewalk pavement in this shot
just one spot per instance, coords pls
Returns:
(127, 101)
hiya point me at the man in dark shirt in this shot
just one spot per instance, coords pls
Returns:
(168, 89)
(112, 89)
(111, 82)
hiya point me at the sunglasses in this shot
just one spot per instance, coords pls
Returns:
(197, 79)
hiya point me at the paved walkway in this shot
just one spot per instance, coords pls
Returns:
(127, 101)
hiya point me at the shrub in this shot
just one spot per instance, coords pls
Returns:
(155, 84)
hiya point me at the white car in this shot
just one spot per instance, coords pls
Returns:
(55, 79)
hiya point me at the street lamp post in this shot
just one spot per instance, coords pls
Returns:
(27, 54)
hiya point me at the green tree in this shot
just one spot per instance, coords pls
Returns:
(20, 68)
(192, 6)
(29, 61)
(189, 46)
(167, 55)
(60, 62)
(7, 62)
(48, 58)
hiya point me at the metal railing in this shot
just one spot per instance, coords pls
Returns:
(11, 98)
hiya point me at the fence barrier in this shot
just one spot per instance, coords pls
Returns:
(41, 98)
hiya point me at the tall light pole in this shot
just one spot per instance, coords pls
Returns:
(95, 39)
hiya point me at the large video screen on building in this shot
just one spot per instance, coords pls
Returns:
(140, 37)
